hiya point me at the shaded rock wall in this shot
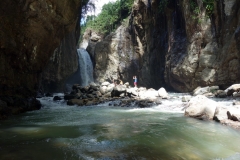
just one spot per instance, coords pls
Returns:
(210, 54)
(62, 64)
(30, 30)
(150, 40)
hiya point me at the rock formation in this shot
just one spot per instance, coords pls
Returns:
(179, 44)
(114, 57)
(62, 64)
(30, 30)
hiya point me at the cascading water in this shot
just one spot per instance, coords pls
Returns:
(85, 67)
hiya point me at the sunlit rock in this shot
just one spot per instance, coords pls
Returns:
(233, 88)
(201, 107)
(162, 93)
(186, 98)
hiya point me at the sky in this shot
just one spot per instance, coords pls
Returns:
(99, 4)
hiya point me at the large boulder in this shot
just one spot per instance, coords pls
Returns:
(220, 94)
(234, 113)
(148, 94)
(118, 90)
(201, 107)
(220, 114)
(223, 113)
(78, 102)
(233, 88)
(103, 89)
(110, 87)
(162, 93)
(201, 91)
(105, 84)
(132, 92)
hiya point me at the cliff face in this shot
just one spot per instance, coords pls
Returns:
(62, 64)
(30, 30)
(113, 57)
(210, 55)
(177, 44)
(185, 49)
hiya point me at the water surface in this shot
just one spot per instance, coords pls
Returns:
(58, 131)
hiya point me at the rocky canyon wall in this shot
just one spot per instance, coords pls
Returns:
(177, 44)
(189, 49)
(210, 54)
(30, 31)
(62, 64)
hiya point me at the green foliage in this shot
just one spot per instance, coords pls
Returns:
(196, 10)
(110, 17)
(162, 5)
(208, 5)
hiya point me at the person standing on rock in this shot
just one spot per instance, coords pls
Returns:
(135, 81)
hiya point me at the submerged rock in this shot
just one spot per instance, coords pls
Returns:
(57, 98)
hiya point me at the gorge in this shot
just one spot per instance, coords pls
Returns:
(186, 46)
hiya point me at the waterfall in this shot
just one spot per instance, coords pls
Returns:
(85, 67)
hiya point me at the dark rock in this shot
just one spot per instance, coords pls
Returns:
(94, 88)
(145, 103)
(4, 110)
(220, 94)
(39, 95)
(84, 97)
(97, 93)
(34, 104)
(127, 102)
(8, 100)
(83, 89)
(78, 102)
(57, 98)
(49, 95)
(90, 91)
(3, 104)
(90, 96)
(73, 92)
(69, 96)
(233, 88)
(75, 86)
(118, 90)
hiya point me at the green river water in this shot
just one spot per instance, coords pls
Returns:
(61, 132)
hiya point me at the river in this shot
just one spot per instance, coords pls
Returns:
(62, 132)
